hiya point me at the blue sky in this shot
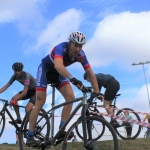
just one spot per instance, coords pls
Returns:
(118, 34)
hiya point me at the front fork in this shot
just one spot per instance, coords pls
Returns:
(86, 125)
(2, 123)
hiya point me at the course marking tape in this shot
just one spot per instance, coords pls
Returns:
(122, 119)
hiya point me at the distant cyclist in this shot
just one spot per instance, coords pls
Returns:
(147, 117)
(112, 87)
(28, 92)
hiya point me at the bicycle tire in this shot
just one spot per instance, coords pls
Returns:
(136, 127)
(20, 137)
(147, 134)
(42, 128)
(92, 144)
(2, 123)
(98, 130)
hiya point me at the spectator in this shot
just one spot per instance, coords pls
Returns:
(74, 139)
(128, 125)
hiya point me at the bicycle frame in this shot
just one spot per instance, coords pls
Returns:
(111, 105)
(84, 113)
(5, 109)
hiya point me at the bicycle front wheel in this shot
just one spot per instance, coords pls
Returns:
(108, 141)
(2, 123)
(124, 131)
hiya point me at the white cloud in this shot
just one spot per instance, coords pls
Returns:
(142, 101)
(23, 12)
(136, 99)
(59, 28)
(124, 37)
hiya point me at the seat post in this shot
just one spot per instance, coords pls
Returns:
(53, 114)
(53, 96)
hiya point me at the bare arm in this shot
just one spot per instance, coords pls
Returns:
(4, 87)
(59, 66)
(92, 79)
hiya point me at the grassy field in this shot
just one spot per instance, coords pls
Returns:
(138, 144)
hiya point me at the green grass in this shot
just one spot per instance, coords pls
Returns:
(138, 144)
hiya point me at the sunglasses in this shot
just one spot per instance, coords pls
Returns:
(17, 70)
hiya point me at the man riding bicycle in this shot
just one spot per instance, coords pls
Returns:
(112, 86)
(62, 55)
(28, 81)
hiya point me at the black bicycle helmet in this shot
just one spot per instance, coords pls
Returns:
(17, 66)
(85, 76)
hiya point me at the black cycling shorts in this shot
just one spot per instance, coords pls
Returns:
(112, 88)
(30, 94)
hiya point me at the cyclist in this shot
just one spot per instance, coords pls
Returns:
(62, 55)
(148, 119)
(112, 86)
(28, 91)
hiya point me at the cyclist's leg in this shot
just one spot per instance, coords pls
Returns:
(41, 86)
(40, 100)
(68, 94)
(112, 88)
(30, 94)
(16, 97)
(31, 103)
(107, 107)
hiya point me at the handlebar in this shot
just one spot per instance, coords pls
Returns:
(4, 100)
(90, 90)
(9, 103)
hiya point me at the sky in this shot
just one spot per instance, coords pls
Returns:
(117, 32)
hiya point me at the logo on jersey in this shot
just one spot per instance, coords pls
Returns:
(80, 59)
(39, 76)
(26, 82)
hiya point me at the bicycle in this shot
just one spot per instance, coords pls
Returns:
(121, 130)
(50, 139)
(147, 133)
(2, 120)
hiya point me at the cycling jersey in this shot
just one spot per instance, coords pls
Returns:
(59, 51)
(102, 79)
(25, 79)
(110, 83)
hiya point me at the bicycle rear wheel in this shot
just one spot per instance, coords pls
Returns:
(108, 141)
(122, 130)
(2, 123)
(98, 129)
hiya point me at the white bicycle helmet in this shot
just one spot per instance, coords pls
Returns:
(77, 37)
